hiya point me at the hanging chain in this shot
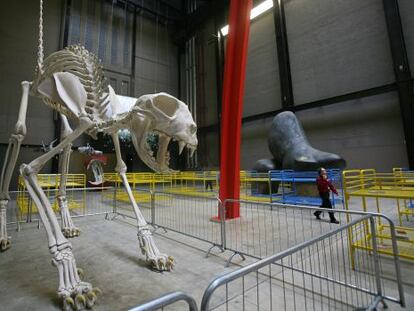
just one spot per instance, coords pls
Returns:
(40, 54)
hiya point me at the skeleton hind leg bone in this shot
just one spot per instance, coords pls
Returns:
(75, 293)
(68, 228)
(158, 260)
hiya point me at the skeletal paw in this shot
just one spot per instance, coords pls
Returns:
(163, 263)
(160, 262)
(71, 232)
(5, 244)
(81, 298)
(76, 294)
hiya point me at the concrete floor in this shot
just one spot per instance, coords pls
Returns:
(108, 252)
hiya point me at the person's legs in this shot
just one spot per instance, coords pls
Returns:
(318, 213)
(327, 204)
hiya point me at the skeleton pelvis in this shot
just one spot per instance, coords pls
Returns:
(66, 92)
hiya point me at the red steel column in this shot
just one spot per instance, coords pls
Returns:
(232, 104)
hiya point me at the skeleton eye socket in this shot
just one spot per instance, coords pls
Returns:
(193, 129)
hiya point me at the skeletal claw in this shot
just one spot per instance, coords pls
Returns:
(5, 244)
(169, 265)
(91, 295)
(68, 304)
(181, 145)
(97, 291)
(154, 264)
(161, 264)
(81, 273)
(192, 152)
(90, 299)
(71, 232)
(170, 262)
(80, 301)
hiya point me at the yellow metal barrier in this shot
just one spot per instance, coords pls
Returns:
(196, 183)
(50, 183)
(368, 183)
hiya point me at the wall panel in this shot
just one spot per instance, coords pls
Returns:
(337, 47)
(262, 87)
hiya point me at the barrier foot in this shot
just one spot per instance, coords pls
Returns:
(231, 257)
(158, 227)
(213, 246)
(384, 304)
(115, 216)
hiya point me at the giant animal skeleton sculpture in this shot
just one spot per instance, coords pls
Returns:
(71, 81)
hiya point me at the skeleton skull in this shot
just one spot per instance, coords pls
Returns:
(168, 117)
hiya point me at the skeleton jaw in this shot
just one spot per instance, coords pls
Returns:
(160, 162)
(163, 156)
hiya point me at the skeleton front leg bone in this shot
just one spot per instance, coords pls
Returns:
(158, 260)
(75, 293)
(68, 228)
(10, 163)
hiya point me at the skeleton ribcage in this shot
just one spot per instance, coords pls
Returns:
(76, 60)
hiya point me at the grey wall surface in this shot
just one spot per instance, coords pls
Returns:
(208, 151)
(261, 94)
(337, 47)
(156, 59)
(206, 99)
(366, 132)
(254, 143)
(107, 30)
(207, 76)
(18, 56)
(262, 70)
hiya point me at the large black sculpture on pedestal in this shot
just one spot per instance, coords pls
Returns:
(291, 149)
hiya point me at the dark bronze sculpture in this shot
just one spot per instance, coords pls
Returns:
(291, 149)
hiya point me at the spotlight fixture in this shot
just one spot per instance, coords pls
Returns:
(255, 12)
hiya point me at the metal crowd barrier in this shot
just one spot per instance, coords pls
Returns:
(316, 274)
(306, 277)
(196, 217)
(185, 214)
(264, 229)
(167, 300)
(122, 205)
(81, 202)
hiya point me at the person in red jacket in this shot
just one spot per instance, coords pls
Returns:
(324, 188)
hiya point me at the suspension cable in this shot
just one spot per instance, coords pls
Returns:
(40, 54)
